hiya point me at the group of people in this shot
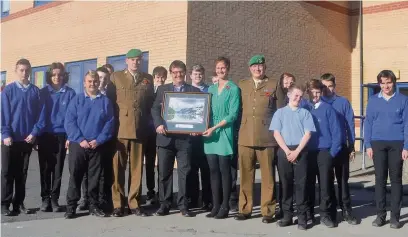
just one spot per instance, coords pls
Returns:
(117, 120)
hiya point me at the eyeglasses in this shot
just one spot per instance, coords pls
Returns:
(178, 73)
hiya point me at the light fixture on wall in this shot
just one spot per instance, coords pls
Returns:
(396, 73)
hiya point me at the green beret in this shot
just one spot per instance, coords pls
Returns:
(257, 59)
(133, 53)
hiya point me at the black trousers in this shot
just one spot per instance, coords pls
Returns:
(342, 173)
(14, 166)
(84, 186)
(277, 188)
(220, 174)
(178, 149)
(387, 156)
(199, 169)
(83, 161)
(150, 160)
(51, 158)
(320, 165)
(234, 177)
(293, 175)
(106, 178)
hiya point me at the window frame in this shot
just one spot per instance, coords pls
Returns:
(3, 73)
(82, 71)
(39, 69)
(144, 65)
(4, 13)
(40, 3)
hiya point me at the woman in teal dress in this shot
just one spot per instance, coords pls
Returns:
(219, 138)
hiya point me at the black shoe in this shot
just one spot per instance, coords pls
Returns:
(234, 207)
(70, 213)
(267, 219)
(213, 213)
(222, 213)
(284, 223)
(327, 221)
(206, 207)
(151, 198)
(311, 220)
(302, 227)
(96, 211)
(117, 212)
(6, 211)
(395, 224)
(242, 217)
(46, 206)
(163, 211)
(84, 206)
(138, 212)
(22, 209)
(56, 207)
(378, 222)
(186, 213)
(105, 206)
(279, 214)
(347, 216)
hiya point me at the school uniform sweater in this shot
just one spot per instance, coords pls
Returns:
(89, 119)
(56, 105)
(328, 129)
(386, 120)
(345, 114)
(20, 111)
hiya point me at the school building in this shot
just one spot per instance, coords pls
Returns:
(305, 38)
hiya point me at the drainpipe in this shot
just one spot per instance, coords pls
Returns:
(362, 148)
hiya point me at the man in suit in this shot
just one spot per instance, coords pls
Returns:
(170, 146)
(256, 142)
(133, 94)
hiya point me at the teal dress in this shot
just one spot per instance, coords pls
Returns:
(224, 106)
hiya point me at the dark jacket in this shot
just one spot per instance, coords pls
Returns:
(165, 140)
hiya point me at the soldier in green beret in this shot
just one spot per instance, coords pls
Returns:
(256, 142)
(133, 94)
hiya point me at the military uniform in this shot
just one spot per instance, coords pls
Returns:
(259, 102)
(134, 96)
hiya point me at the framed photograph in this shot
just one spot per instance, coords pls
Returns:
(186, 112)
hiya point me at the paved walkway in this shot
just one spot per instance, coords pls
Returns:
(54, 225)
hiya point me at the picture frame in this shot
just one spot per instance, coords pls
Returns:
(186, 112)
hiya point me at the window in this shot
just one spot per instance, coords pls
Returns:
(118, 62)
(3, 80)
(402, 87)
(77, 71)
(5, 7)
(40, 3)
(38, 76)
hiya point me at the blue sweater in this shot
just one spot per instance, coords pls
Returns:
(345, 114)
(56, 104)
(386, 120)
(328, 129)
(20, 112)
(89, 119)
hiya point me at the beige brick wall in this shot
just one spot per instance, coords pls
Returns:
(384, 47)
(355, 70)
(385, 43)
(87, 30)
(371, 3)
(296, 37)
(16, 6)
